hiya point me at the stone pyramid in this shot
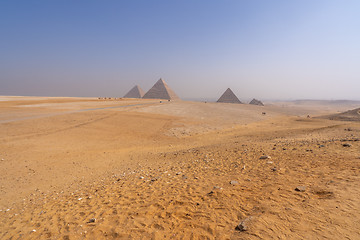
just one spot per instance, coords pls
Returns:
(135, 92)
(229, 97)
(256, 102)
(161, 91)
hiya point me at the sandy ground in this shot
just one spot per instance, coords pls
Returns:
(75, 168)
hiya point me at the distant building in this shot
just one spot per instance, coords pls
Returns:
(161, 90)
(135, 92)
(256, 102)
(228, 97)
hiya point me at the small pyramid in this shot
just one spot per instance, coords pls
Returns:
(135, 92)
(229, 97)
(161, 90)
(256, 102)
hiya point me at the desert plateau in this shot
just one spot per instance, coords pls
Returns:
(88, 168)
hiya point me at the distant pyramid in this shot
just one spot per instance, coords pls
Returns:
(256, 102)
(135, 92)
(161, 91)
(229, 97)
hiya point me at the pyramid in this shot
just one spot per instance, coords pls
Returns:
(256, 102)
(229, 97)
(135, 92)
(161, 91)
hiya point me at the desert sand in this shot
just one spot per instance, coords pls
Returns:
(86, 168)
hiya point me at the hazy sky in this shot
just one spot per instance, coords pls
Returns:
(264, 49)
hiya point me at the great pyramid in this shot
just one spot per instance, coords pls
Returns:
(256, 102)
(135, 92)
(229, 97)
(161, 91)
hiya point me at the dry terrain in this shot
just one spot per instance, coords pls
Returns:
(86, 168)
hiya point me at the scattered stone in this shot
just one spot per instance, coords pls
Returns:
(321, 146)
(217, 187)
(33, 230)
(300, 188)
(265, 157)
(243, 225)
(178, 173)
(346, 145)
(233, 182)
(274, 169)
(141, 177)
(79, 199)
(92, 220)
(184, 177)
(269, 162)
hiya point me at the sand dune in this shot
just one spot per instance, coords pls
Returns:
(142, 169)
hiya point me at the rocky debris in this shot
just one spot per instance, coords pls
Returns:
(265, 157)
(92, 220)
(243, 225)
(321, 146)
(346, 145)
(274, 169)
(178, 173)
(300, 188)
(141, 177)
(233, 182)
(269, 162)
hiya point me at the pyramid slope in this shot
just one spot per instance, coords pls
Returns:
(161, 90)
(228, 97)
(135, 92)
(256, 102)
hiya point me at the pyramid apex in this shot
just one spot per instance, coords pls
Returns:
(229, 97)
(161, 90)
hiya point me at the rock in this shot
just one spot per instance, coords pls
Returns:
(92, 220)
(178, 173)
(233, 182)
(300, 188)
(321, 146)
(346, 145)
(269, 162)
(243, 225)
(265, 157)
(274, 169)
(141, 177)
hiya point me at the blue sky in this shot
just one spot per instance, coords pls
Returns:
(263, 49)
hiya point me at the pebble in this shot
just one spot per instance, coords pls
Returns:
(274, 169)
(92, 220)
(265, 157)
(178, 173)
(269, 162)
(233, 182)
(141, 177)
(300, 188)
(243, 225)
(346, 145)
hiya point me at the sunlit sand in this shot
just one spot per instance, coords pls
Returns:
(133, 168)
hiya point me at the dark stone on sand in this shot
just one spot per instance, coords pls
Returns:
(346, 145)
(243, 225)
(265, 157)
(92, 220)
(300, 188)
